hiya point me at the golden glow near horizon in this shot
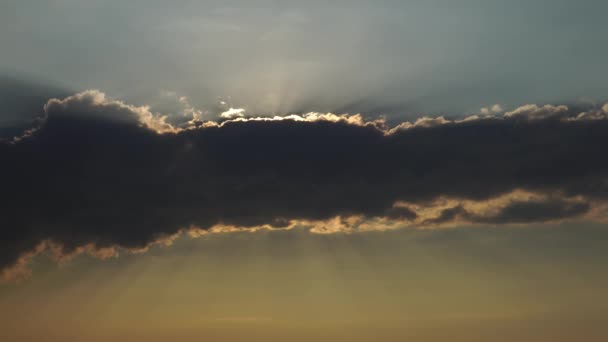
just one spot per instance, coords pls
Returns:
(460, 284)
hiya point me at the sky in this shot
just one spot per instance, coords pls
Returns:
(289, 170)
(398, 58)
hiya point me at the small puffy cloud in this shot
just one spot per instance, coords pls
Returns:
(232, 113)
(495, 109)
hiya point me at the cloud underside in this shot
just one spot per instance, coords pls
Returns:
(98, 175)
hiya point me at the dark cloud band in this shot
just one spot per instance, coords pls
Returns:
(99, 172)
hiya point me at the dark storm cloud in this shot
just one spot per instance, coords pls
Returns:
(95, 172)
(399, 213)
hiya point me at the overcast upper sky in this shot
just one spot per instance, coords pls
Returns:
(401, 58)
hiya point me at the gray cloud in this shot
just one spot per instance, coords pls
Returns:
(102, 173)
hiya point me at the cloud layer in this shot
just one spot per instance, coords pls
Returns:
(99, 174)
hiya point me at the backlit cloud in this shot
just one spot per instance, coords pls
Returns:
(98, 175)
